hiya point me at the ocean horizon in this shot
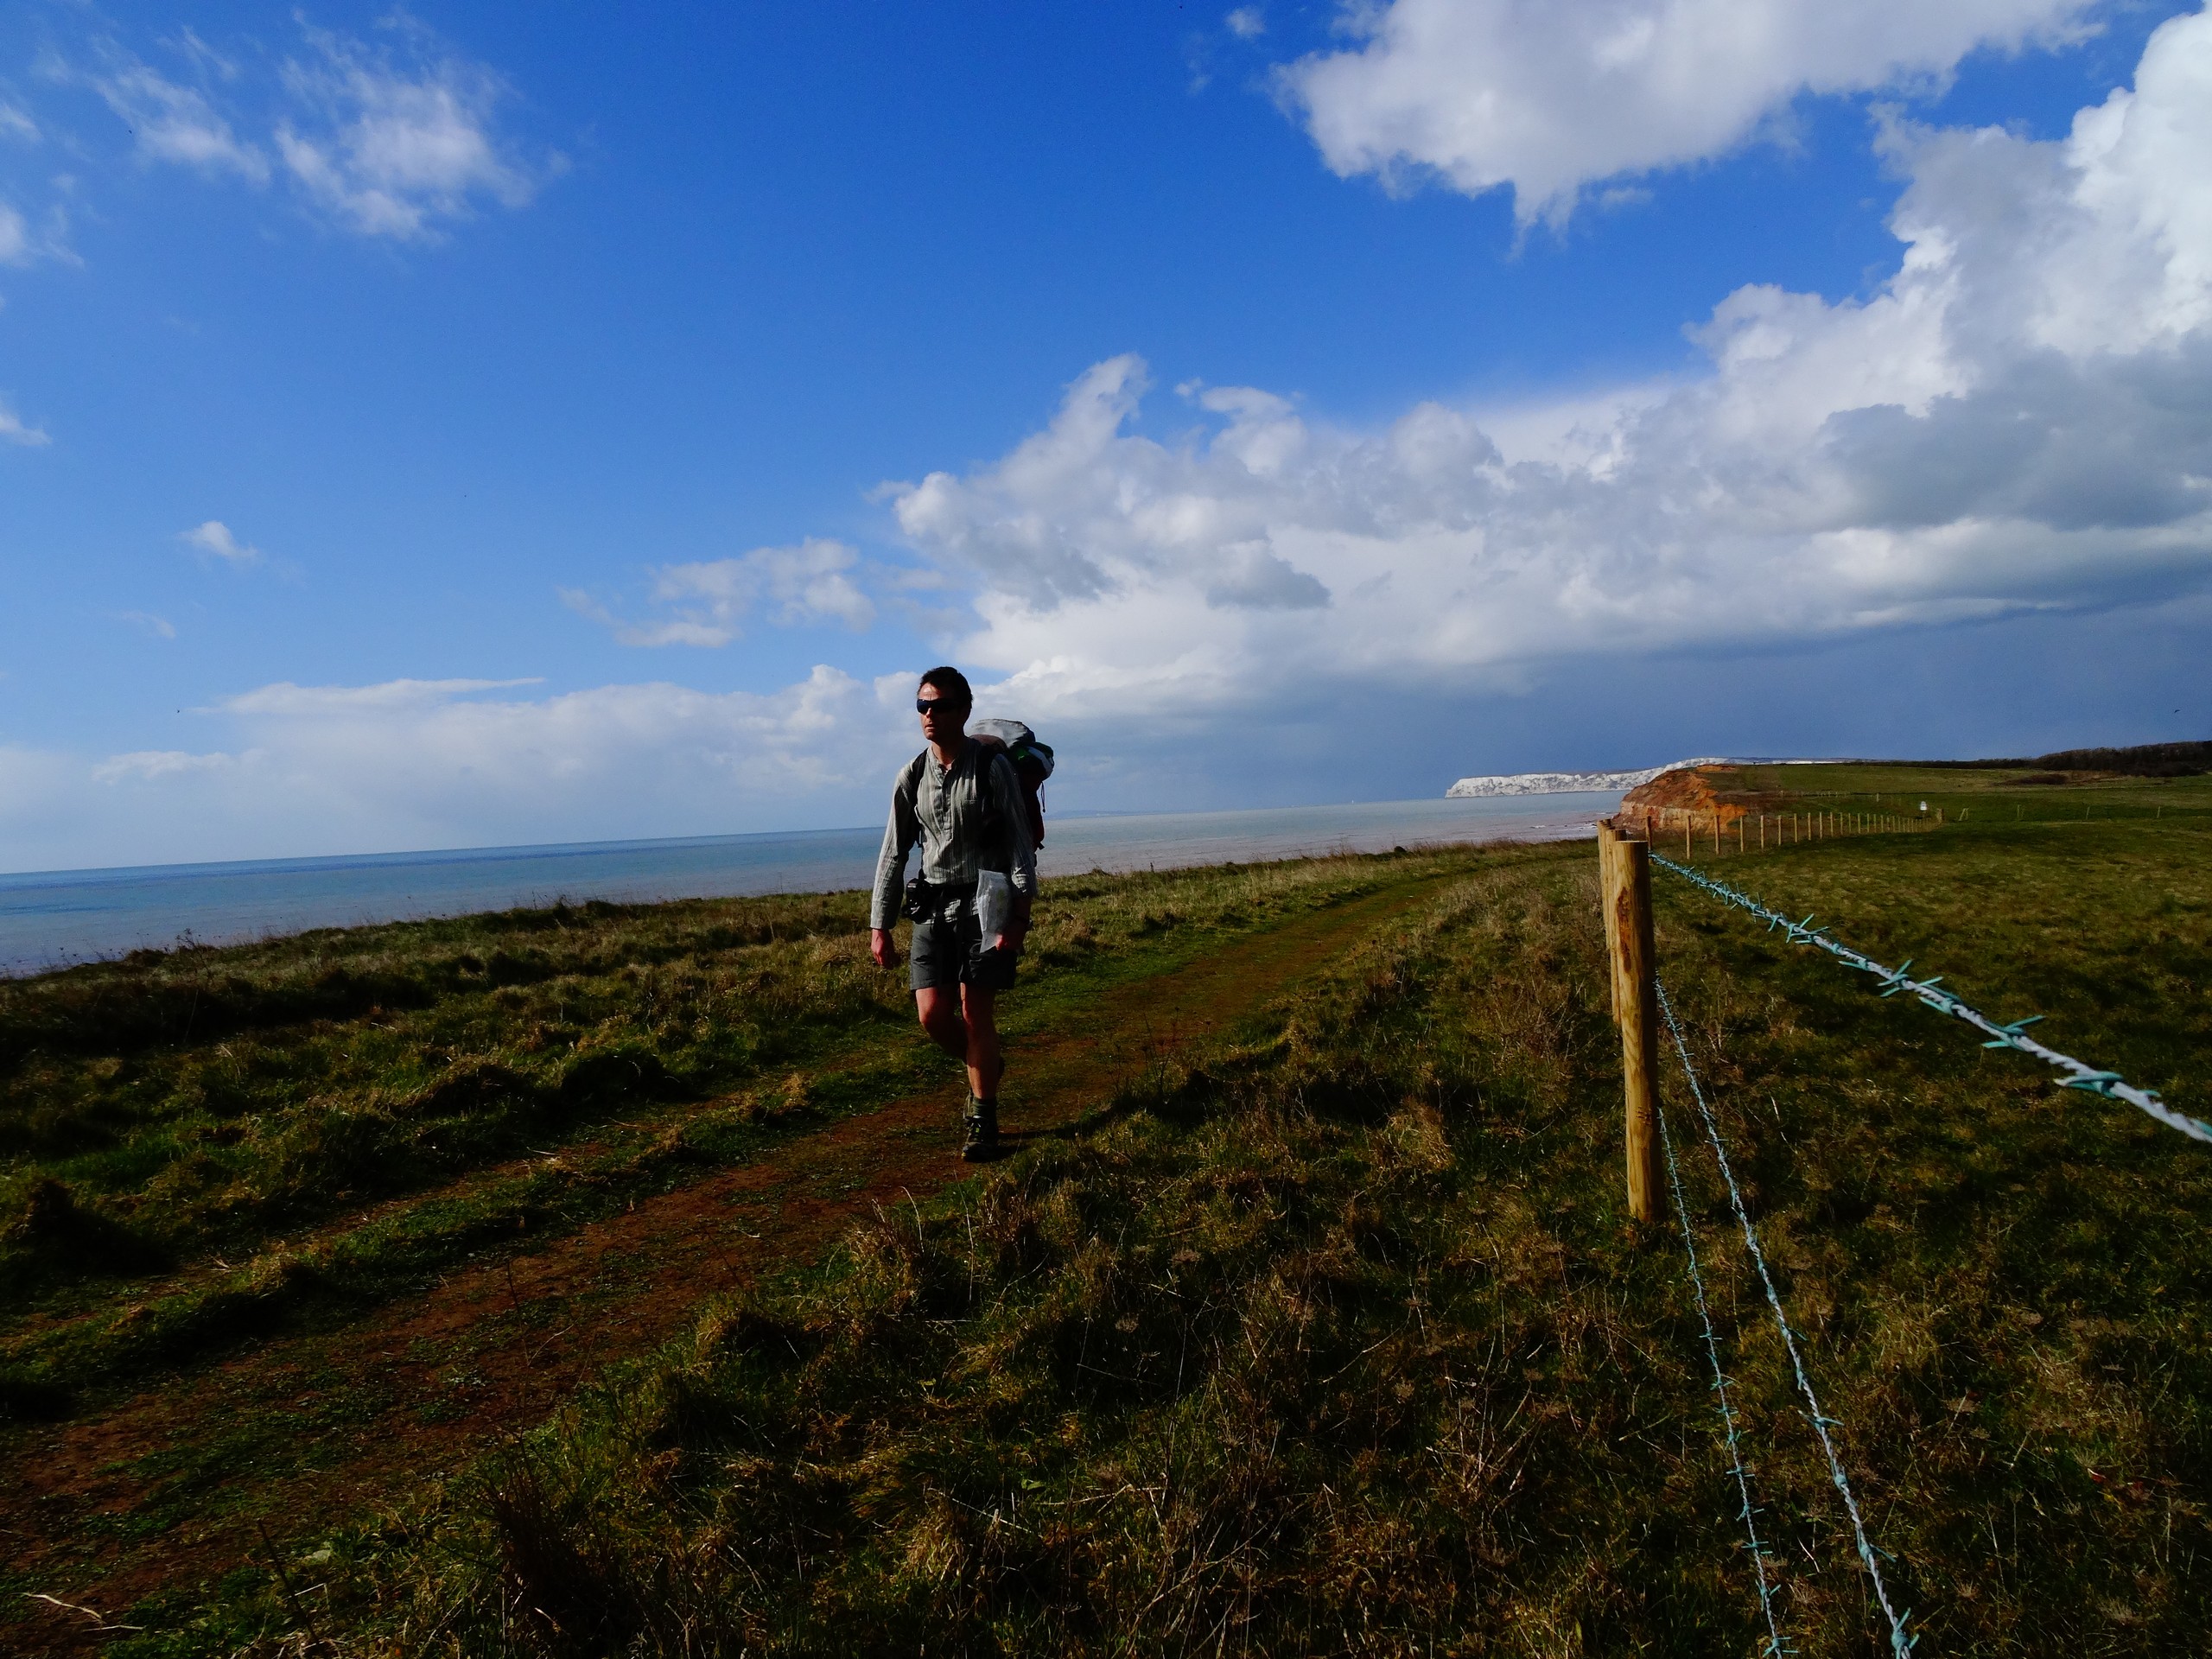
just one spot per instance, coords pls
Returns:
(53, 918)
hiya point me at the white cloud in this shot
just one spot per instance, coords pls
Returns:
(682, 630)
(285, 701)
(416, 764)
(214, 537)
(1547, 99)
(160, 626)
(391, 149)
(209, 61)
(1246, 23)
(22, 244)
(388, 141)
(16, 123)
(2019, 419)
(151, 765)
(176, 124)
(811, 582)
(12, 430)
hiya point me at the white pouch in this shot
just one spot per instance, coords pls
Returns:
(993, 904)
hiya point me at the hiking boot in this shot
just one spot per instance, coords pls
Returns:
(982, 1140)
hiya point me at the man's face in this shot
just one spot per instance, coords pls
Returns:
(941, 718)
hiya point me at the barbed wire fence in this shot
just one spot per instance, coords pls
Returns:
(1901, 1643)
(1894, 981)
(1749, 1514)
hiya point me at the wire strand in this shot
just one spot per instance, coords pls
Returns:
(2079, 1075)
(1774, 1642)
(1900, 1643)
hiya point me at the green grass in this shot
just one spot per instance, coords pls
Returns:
(1988, 798)
(1340, 1341)
(200, 1146)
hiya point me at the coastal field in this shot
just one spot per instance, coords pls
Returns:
(599, 1280)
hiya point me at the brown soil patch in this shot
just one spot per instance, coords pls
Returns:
(1697, 798)
(148, 1497)
(1700, 791)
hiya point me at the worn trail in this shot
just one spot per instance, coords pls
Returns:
(208, 1472)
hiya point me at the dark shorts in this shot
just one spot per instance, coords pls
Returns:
(947, 952)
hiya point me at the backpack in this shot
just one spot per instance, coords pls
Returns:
(1033, 764)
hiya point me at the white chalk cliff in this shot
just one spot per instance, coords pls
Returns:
(1562, 783)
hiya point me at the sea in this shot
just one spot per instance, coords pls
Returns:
(53, 920)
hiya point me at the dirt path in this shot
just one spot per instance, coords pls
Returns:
(185, 1482)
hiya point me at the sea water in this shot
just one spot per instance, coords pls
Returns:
(48, 920)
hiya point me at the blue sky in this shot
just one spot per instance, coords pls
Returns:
(479, 424)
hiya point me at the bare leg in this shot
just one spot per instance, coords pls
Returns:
(939, 1007)
(985, 1065)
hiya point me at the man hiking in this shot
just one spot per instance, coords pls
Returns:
(960, 800)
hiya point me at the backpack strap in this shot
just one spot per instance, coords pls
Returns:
(994, 756)
(908, 786)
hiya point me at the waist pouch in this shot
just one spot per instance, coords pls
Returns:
(924, 900)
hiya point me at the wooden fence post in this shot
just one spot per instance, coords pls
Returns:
(1627, 869)
(1609, 841)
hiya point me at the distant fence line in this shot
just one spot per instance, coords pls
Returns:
(1757, 832)
(1724, 828)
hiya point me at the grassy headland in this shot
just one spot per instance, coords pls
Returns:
(197, 1146)
(1334, 1337)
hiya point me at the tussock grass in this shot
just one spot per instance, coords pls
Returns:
(214, 1097)
(197, 1145)
(1229, 1372)
(1340, 1342)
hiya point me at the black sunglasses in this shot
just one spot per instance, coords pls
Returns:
(931, 705)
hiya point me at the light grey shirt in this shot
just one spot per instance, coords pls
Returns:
(947, 815)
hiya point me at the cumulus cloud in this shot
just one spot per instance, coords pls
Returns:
(1547, 99)
(390, 148)
(2019, 419)
(1246, 23)
(813, 581)
(214, 539)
